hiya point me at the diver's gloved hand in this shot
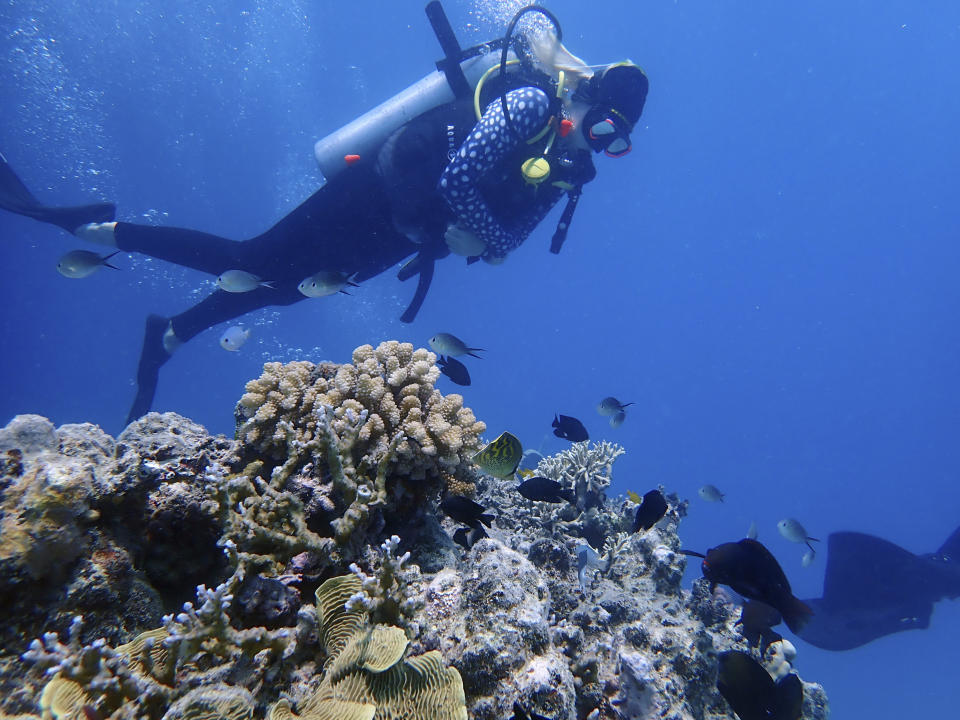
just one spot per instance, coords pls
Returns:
(463, 242)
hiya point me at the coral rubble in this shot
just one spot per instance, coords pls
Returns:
(171, 574)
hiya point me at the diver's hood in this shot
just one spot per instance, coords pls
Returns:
(621, 87)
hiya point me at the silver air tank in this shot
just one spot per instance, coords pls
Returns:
(365, 134)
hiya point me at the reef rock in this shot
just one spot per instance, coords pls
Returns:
(304, 569)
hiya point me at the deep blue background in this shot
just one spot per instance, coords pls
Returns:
(770, 275)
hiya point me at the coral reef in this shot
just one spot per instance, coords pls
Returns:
(171, 574)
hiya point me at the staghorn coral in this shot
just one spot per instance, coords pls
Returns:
(386, 596)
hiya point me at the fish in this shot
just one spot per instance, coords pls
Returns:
(454, 369)
(617, 420)
(587, 560)
(501, 457)
(544, 489)
(241, 281)
(520, 714)
(82, 263)
(469, 536)
(756, 624)
(748, 568)
(610, 406)
(526, 473)
(569, 428)
(873, 587)
(808, 557)
(634, 497)
(465, 511)
(710, 493)
(326, 282)
(752, 692)
(447, 344)
(793, 531)
(234, 337)
(752, 531)
(653, 507)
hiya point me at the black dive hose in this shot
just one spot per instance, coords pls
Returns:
(506, 48)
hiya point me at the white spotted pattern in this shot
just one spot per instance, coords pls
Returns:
(484, 148)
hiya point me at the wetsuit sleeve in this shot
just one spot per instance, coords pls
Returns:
(488, 144)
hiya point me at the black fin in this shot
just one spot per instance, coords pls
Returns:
(152, 357)
(951, 548)
(15, 197)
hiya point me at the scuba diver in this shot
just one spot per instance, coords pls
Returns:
(499, 133)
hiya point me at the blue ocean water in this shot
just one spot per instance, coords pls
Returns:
(770, 275)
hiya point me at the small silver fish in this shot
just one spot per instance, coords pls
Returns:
(241, 281)
(793, 531)
(617, 420)
(808, 558)
(752, 531)
(326, 282)
(81, 263)
(710, 493)
(234, 337)
(447, 344)
(611, 406)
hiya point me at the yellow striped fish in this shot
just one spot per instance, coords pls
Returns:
(501, 457)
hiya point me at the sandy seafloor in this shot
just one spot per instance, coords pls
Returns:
(769, 275)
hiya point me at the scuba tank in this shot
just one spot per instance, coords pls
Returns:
(456, 76)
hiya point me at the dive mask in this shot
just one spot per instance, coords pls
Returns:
(605, 129)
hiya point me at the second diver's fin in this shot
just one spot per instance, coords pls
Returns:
(15, 197)
(152, 357)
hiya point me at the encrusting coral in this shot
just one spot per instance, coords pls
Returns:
(193, 560)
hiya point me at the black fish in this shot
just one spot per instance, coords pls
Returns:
(465, 511)
(756, 624)
(520, 714)
(569, 428)
(454, 369)
(545, 490)
(650, 511)
(752, 570)
(753, 694)
(468, 537)
(873, 588)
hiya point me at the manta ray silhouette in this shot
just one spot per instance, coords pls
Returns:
(873, 588)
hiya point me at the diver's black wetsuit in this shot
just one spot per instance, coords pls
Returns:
(442, 168)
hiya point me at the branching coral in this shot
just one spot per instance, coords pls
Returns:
(588, 469)
(385, 596)
(353, 429)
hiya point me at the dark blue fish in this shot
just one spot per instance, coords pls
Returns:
(520, 714)
(752, 570)
(569, 428)
(650, 511)
(468, 537)
(545, 490)
(753, 694)
(756, 624)
(454, 369)
(465, 511)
